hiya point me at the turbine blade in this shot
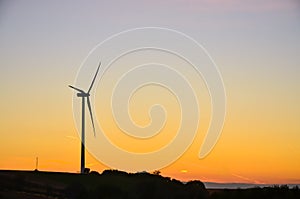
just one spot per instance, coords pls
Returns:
(94, 78)
(77, 89)
(90, 110)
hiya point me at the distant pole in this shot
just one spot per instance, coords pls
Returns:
(36, 163)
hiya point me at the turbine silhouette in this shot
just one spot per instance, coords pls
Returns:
(84, 95)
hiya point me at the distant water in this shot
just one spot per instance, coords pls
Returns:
(213, 185)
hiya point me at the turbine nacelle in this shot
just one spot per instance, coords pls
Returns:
(83, 94)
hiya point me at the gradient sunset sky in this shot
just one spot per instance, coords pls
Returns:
(255, 43)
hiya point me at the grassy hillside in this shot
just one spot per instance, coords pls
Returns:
(116, 184)
(110, 184)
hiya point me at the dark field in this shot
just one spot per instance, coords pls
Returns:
(116, 184)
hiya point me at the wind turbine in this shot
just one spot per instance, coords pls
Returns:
(85, 95)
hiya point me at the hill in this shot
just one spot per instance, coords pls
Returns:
(117, 184)
(109, 184)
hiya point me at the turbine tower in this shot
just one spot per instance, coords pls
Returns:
(85, 95)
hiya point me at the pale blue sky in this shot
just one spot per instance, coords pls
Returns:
(42, 40)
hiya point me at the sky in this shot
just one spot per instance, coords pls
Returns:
(255, 45)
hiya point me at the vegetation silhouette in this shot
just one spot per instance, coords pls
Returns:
(118, 184)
